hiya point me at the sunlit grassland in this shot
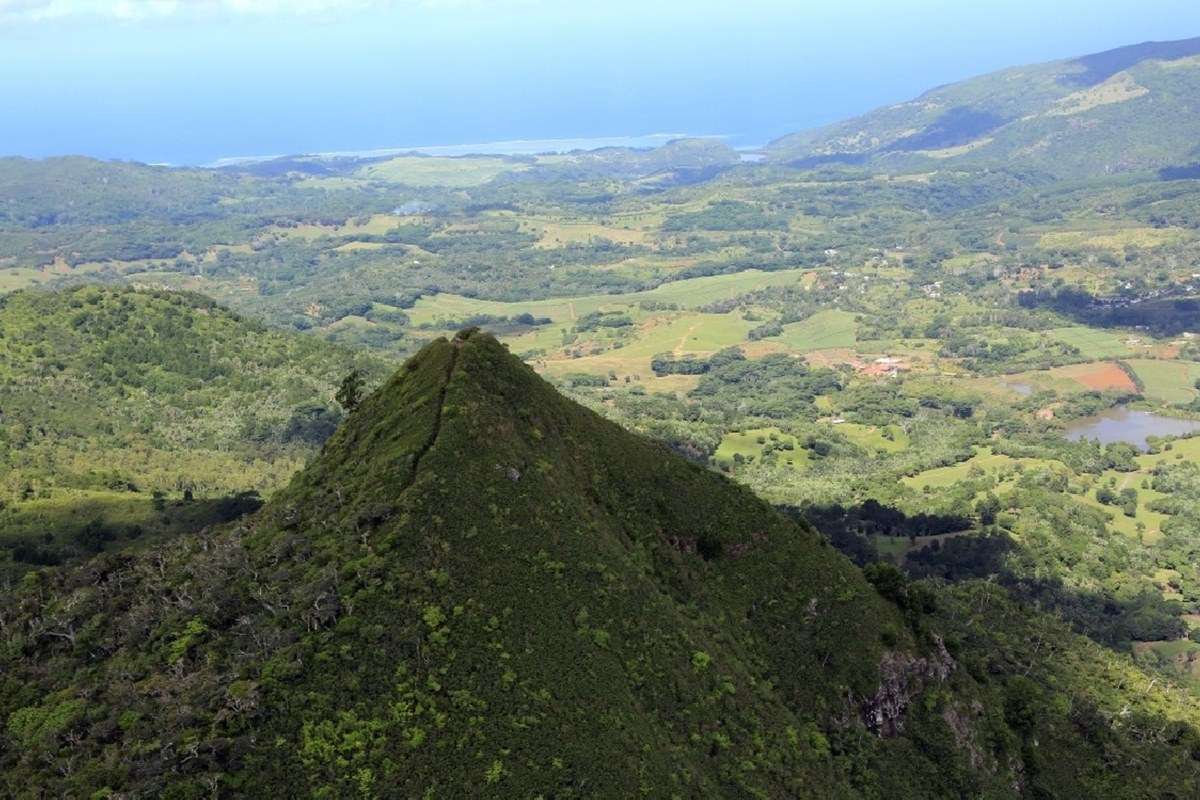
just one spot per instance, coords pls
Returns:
(1167, 381)
(15, 278)
(678, 333)
(432, 171)
(825, 329)
(872, 438)
(750, 443)
(334, 183)
(554, 232)
(688, 293)
(1105, 238)
(984, 460)
(373, 225)
(1093, 343)
(1150, 521)
(1178, 449)
(1069, 379)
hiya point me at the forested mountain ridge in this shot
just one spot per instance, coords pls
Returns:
(479, 588)
(1122, 110)
(114, 401)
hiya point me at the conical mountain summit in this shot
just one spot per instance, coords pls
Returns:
(481, 588)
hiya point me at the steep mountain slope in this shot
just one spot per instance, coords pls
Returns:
(108, 396)
(480, 588)
(1123, 110)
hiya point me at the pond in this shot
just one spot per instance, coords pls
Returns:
(1123, 425)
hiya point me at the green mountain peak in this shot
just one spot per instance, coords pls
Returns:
(481, 588)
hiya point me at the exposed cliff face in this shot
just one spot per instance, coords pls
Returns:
(902, 677)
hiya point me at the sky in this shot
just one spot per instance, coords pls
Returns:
(192, 81)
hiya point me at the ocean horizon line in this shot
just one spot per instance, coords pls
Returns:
(505, 147)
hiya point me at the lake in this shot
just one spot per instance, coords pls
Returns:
(1123, 425)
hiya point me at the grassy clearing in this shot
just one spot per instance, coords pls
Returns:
(1180, 449)
(897, 548)
(942, 477)
(689, 293)
(1145, 525)
(15, 278)
(334, 183)
(429, 171)
(682, 334)
(1151, 521)
(1093, 343)
(750, 444)
(823, 330)
(1167, 381)
(1171, 649)
(374, 225)
(872, 438)
(559, 233)
(1115, 241)
(678, 385)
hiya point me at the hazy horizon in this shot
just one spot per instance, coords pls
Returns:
(179, 82)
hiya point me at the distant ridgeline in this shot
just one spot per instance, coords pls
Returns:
(1123, 110)
(479, 588)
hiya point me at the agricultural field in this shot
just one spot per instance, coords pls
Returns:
(1071, 379)
(1114, 240)
(445, 172)
(1094, 343)
(822, 331)
(446, 309)
(1167, 381)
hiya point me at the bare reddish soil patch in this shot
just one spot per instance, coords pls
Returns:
(1100, 376)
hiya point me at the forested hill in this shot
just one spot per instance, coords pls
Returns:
(109, 397)
(1129, 109)
(479, 588)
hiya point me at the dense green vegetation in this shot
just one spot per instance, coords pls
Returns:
(480, 588)
(119, 405)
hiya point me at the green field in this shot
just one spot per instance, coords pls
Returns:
(749, 444)
(685, 333)
(688, 293)
(1093, 343)
(821, 331)
(1167, 381)
(427, 171)
(14, 278)
(872, 438)
(942, 477)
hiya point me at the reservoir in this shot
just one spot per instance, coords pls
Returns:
(1123, 425)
